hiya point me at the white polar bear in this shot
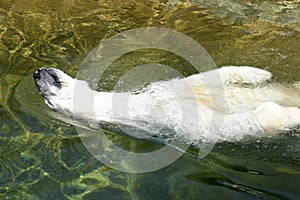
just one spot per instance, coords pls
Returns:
(222, 104)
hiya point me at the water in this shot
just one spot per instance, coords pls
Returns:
(42, 157)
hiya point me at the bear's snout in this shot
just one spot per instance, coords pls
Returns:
(37, 74)
(45, 79)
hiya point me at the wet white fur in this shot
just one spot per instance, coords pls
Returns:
(193, 107)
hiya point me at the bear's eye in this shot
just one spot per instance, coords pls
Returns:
(49, 103)
(54, 75)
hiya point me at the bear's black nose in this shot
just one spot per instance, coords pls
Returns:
(36, 74)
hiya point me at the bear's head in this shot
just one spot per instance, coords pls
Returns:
(55, 86)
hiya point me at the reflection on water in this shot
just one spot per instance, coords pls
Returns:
(43, 158)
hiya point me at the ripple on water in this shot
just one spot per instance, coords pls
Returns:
(41, 157)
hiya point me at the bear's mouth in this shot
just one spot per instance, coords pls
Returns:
(44, 76)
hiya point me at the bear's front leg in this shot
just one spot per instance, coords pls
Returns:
(273, 117)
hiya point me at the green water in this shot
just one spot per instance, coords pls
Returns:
(42, 157)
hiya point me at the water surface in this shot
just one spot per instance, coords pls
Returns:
(43, 158)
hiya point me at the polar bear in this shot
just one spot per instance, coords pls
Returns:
(227, 103)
